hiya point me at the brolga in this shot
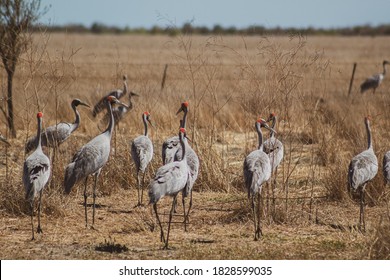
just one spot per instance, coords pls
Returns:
(257, 171)
(170, 179)
(90, 160)
(36, 173)
(363, 169)
(386, 167)
(142, 154)
(172, 152)
(374, 81)
(118, 94)
(55, 135)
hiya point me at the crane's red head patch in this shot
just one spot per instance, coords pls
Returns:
(39, 115)
(261, 121)
(182, 130)
(272, 114)
(110, 98)
(185, 104)
(146, 113)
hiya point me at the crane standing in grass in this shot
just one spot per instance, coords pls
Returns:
(36, 173)
(55, 135)
(170, 179)
(362, 169)
(90, 159)
(374, 81)
(172, 152)
(257, 171)
(142, 154)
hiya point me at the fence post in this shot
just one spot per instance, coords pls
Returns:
(351, 82)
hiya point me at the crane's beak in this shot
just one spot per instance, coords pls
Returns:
(180, 110)
(151, 123)
(267, 127)
(133, 93)
(85, 104)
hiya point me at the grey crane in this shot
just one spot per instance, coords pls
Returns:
(362, 169)
(142, 154)
(120, 111)
(257, 171)
(170, 179)
(374, 81)
(172, 152)
(386, 167)
(4, 140)
(55, 135)
(90, 160)
(36, 173)
(171, 146)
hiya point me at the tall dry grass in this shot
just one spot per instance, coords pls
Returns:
(229, 82)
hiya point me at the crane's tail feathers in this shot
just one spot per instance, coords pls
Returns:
(71, 177)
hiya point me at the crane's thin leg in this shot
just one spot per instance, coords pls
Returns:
(138, 190)
(170, 220)
(162, 238)
(39, 230)
(273, 194)
(258, 230)
(189, 208)
(184, 212)
(85, 201)
(94, 198)
(253, 202)
(142, 186)
(32, 217)
(362, 225)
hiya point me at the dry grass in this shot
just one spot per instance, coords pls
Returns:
(229, 82)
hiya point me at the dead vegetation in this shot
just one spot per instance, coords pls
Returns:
(229, 82)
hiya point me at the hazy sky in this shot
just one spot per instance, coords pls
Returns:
(238, 13)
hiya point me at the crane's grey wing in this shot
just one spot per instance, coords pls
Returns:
(88, 160)
(142, 152)
(36, 173)
(170, 148)
(193, 164)
(371, 82)
(169, 180)
(362, 169)
(257, 170)
(386, 167)
(100, 106)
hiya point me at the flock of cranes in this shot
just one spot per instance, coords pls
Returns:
(180, 163)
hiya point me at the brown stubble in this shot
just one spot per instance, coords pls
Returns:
(229, 82)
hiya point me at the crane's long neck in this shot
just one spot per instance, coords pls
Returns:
(112, 122)
(384, 69)
(369, 138)
(272, 132)
(125, 88)
(184, 119)
(77, 114)
(260, 136)
(183, 146)
(145, 125)
(39, 136)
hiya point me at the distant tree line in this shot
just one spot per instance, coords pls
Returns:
(187, 28)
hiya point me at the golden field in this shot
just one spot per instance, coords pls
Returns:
(229, 82)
